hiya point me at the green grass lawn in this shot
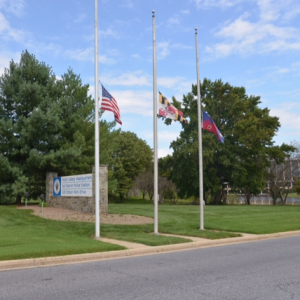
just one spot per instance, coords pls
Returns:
(24, 235)
(185, 219)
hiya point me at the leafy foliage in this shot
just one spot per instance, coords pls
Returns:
(132, 156)
(46, 126)
(241, 160)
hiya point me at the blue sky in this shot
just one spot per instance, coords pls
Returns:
(250, 43)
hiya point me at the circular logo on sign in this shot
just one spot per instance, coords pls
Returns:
(56, 186)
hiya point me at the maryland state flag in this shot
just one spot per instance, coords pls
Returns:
(209, 125)
(168, 111)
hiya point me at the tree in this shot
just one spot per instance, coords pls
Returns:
(22, 87)
(170, 192)
(13, 182)
(280, 179)
(46, 126)
(242, 159)
(143, 181)
(131, 156)
(283, 176)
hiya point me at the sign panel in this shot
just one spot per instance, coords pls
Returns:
(73, 186)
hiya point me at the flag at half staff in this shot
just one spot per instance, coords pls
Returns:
(209, 125)
(167, 110)
(110, 103)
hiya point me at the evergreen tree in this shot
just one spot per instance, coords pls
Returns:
(46, 126)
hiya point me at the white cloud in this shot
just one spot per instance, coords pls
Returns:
(169, 82)
(167, 136)
(185, 12)
(136, 102)
(292, 13)
(245, 37)
(4, 25)
(255, 32)
(7, 32)
(137, 56)
(140, 79)
(163, 50)
(91, 90)
(108, 33)
(181, 46)
(282, 70)
(216, 3)
(164, 139)
(80, 54)
(136, 78)
(127, 4)
(15, 7)
(88, 55)
(272, 10)
(80, 18)
(289, 119)
(162, 152)
(179, 84)
(6, 57)
(173, 21)
(269, 11)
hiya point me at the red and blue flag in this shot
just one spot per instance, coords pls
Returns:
(209, 125)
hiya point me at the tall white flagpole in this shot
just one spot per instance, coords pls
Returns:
(199, 137)
(97, 148)
(155, 128)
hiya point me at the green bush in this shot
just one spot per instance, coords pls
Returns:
(44, 205)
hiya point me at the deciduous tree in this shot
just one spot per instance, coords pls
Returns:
(131, 157)
(243, 158)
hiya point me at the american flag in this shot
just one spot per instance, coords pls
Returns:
(110, 103)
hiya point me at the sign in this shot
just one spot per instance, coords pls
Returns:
(73, 186)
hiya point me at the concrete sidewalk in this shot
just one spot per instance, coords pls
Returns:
(134, 249)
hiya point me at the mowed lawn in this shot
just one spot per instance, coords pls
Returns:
(26, 236)
(185, 219)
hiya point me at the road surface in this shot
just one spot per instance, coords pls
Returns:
(268, 269)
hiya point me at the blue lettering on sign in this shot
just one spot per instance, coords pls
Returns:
(77, 185)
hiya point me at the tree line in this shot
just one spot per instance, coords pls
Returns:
(245, 157)
(47, 125)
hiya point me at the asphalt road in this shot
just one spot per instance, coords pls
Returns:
(268, 269)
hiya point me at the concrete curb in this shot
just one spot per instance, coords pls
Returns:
(135, 251)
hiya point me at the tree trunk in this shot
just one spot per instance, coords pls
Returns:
(19, 200)
(248, 200)
(247, 196)
(217, 198)
(122, 197)
(161, 199)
